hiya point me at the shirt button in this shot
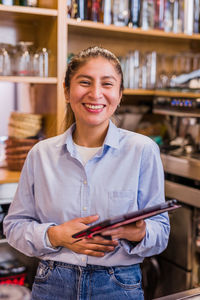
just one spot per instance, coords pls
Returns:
(84, 208)
(85, 182)
(83, 259)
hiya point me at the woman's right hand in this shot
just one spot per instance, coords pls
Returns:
(61, 235)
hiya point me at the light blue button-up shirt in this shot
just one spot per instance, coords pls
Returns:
(125, 175)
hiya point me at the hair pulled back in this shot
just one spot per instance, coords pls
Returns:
(78, 61)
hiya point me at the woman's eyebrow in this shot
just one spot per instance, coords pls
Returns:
(90, 77)
(109, 77)
(83, 75)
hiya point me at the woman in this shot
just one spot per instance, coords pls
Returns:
(90, 173)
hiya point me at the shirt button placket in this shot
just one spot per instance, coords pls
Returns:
(84, 200)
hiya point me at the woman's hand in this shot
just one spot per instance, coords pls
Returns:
(133, 232)
(61, 235)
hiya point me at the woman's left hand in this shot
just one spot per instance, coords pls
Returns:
(133, 232)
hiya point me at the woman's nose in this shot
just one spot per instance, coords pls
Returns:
(96, 91)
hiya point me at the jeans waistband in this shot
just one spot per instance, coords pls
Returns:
(88, 267)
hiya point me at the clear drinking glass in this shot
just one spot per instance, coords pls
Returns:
(147, 14)
(43, 62)
(151, 69)
(5, 59)
(163, 76)
(175, 70)
(23, 59)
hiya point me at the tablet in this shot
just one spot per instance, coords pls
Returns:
(128, 218)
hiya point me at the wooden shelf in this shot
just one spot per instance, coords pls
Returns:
(7, 176)
(176, 113)
(90, 27)
(29, 79)
(25, 12)
(167, 93)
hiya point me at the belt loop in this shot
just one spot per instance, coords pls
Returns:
(110, 270)
(51, 264)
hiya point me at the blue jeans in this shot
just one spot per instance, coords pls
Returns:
(59, 281)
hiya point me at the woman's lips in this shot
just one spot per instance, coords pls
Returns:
(94, 107)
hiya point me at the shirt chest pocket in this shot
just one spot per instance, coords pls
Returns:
(120, 202)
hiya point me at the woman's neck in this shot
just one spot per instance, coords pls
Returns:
(90, 136)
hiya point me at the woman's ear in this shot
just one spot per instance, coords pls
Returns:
(120, 97)
(66, 93)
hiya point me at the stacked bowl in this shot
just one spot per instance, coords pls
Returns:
(23, 130)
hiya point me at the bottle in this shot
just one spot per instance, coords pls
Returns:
(196, 16)
(177, 21)
(168, 16)
(74, 9)
(89, 9)
(120, 12)
(134, 9)
(82, 9)
(96, 15)
(188, 16)
(159, 14)
(33, 3)
(7, 2)
(147, 14)
(69, 6)
(107, 11)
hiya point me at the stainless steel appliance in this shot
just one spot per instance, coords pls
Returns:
(178, 267)
(180, 263)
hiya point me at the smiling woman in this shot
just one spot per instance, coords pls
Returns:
(90, 173)
(93, 89)
(93, 95)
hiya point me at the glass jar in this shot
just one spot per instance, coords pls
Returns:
(23, 59)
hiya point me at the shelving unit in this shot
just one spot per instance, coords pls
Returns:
(45, 27)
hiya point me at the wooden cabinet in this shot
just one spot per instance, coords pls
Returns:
(44, 26)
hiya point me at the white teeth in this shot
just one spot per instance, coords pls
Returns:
(94, 106)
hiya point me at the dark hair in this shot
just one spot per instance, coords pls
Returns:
(78, 61)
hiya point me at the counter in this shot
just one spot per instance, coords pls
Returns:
(193, 294)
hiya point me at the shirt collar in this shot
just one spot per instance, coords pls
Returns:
(112, 136)
(111, 139)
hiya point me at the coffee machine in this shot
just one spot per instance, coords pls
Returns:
(182, 119)
(178, 267)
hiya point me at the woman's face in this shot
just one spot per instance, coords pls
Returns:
(94, 92)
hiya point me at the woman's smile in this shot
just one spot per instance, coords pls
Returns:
(94, 108)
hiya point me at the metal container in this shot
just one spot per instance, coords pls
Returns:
(14, 292)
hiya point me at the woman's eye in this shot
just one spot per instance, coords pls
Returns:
(107, 84)
(84, 82)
